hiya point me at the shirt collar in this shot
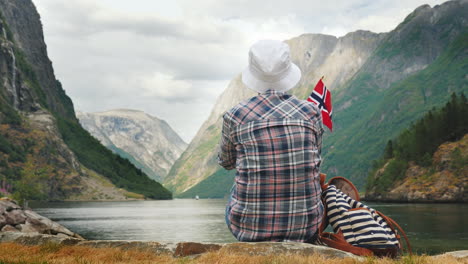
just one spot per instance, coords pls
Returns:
(271, 91)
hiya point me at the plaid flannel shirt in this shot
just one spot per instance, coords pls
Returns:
(274, 142)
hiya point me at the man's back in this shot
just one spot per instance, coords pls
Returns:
(274, 142)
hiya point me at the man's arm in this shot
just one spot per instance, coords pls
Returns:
(227, 150)
(318, 124)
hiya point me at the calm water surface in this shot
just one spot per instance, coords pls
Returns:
(431, 228)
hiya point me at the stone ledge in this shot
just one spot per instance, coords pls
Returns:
(460, 254)
(156, 247)
(182, 249)
(283, 248)
(36, 239)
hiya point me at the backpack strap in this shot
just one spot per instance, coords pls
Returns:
(394, 225)
(323, 185)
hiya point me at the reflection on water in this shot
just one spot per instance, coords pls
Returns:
(432, 228)
(165, 221)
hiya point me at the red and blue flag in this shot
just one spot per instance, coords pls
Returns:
(321, 96)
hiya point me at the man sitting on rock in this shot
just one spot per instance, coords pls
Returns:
(274, 142)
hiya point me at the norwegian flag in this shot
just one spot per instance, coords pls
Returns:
(321, 96)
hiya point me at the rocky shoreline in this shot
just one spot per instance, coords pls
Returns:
(15, 219)
(445, 180)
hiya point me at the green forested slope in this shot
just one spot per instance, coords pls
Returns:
(118, 170)
(415, 146)
(377, 116)
(217, 185)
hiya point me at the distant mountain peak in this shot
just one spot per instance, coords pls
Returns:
(122, 111)
(147, 141)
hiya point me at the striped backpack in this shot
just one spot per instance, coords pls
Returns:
(358, 228)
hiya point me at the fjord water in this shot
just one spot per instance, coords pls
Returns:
(431, 228)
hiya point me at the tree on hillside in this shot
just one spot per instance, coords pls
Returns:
(419, 142)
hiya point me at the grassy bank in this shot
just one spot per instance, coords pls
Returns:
(53, 254)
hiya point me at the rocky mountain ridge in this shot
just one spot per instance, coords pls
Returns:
(25, 29)
(153, 144)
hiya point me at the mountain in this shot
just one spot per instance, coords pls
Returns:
(380, 84)
(148, 142)
(44, 152)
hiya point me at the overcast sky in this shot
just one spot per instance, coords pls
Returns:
(172, 59)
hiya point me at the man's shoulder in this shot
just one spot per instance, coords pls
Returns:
(304, 108)
(304, 105)
(239, 109)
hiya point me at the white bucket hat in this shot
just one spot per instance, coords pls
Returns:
(270, 67)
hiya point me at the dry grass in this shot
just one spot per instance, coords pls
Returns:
(55, 254)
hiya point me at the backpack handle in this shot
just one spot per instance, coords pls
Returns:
(345, 185)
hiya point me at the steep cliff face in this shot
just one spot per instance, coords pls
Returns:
(380, 83)
(26, 30)
(44, 152)
(152, 143)
(315, 54)
(33, 151)
(338, 59)
(445, 180)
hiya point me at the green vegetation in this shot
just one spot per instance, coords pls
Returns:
(100, 159)
(23, 163)
(217, 185)
(7, 114)
(6, 27)
(363, 129)
(32, 184)
(30, 76)
(420, 141)
(122, 153)
(182, 168)
(458, 160)
(16, 153)
(66, 103)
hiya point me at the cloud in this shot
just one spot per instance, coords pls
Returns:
(170, 58)
(164, 86)
(85, 18)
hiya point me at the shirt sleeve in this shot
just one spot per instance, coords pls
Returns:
(318, 124)
(319, 141)
(227, 150)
